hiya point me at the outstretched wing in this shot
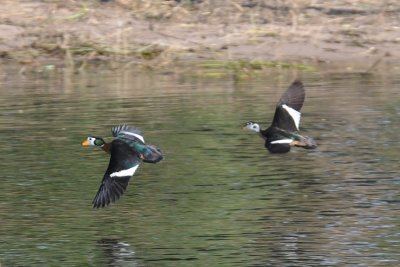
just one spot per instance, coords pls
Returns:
(131, 136)
(294, 96)
(287, 112)
(129, 132)
(123, 163)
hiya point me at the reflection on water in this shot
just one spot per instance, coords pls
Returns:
(116, 252)
(218, 198)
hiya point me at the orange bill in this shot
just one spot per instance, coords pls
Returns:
(85, 143)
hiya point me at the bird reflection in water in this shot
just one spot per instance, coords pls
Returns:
(117, 252)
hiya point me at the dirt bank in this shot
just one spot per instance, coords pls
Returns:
(158, 33)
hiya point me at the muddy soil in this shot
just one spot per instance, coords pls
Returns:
(344, 33)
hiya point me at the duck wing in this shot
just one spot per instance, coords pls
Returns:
(123, 163)
(287, 112)
(129, 132)
(132, 136)
(294, 96)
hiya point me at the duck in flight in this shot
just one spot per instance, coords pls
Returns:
(284, 130)
(127, 151)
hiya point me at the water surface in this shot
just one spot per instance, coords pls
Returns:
(218, 198)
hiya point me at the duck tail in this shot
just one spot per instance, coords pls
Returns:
(149, 153)
(152, 154)
(308, 143)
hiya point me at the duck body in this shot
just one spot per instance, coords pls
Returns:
(132, 136)
(127, 151)
(278, 140)
(284, 130)
(148, 153)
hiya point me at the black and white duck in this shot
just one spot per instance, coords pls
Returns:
(127, 151)
(284, 130)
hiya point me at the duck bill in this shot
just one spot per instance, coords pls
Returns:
(85, 143)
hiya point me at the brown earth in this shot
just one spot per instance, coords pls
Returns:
(345, 33)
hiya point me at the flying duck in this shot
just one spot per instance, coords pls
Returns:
(284, 130)
(127, 151)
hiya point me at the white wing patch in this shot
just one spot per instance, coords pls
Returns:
(282, 141)
(138, 136)
(294, 114)
(124, 173)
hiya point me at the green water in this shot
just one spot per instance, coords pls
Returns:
(218, 198)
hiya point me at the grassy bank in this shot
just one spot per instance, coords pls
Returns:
(157, 34)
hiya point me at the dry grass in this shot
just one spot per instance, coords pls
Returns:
(157, 32)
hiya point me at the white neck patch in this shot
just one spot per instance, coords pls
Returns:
(294, 114)
(124, 173)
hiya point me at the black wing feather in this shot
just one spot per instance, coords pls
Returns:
(294, 98)
(120, 131)
(122, 157)
(117, 129)
(283, 120)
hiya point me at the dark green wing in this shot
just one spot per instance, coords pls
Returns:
(132, 136)
(151, 154)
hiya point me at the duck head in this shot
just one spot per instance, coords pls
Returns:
(252, 126)
(93, 141)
